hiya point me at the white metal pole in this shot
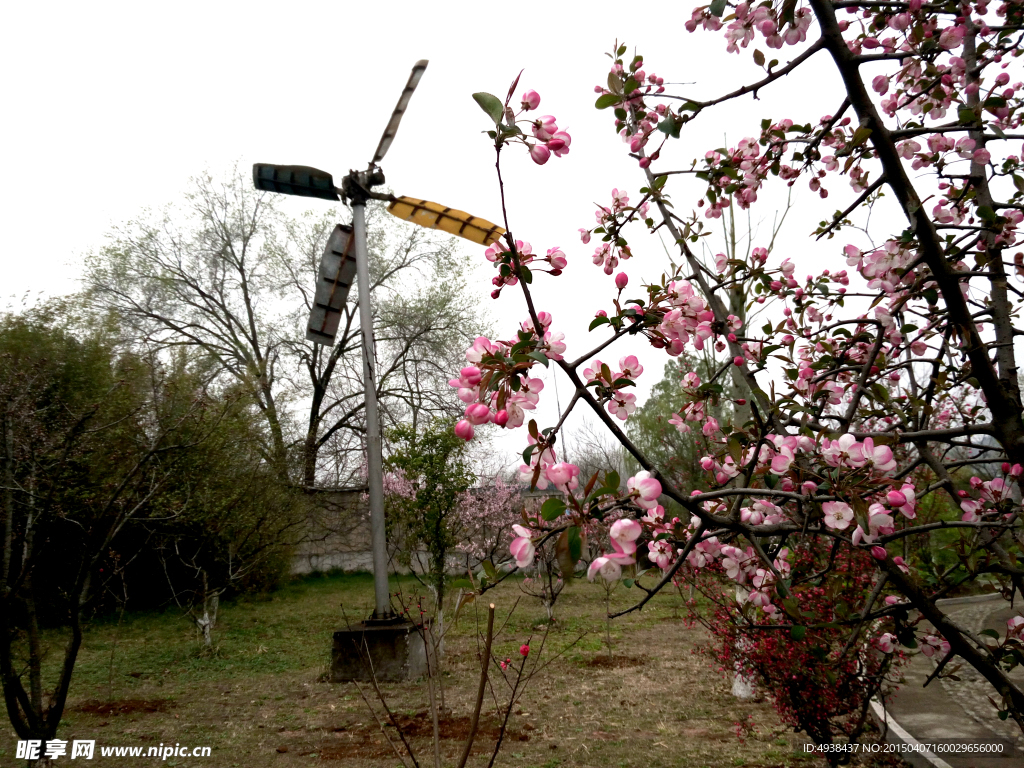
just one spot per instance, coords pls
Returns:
(374, 454)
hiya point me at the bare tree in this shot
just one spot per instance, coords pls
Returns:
(230, 275)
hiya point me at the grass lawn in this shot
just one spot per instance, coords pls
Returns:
(259, 699)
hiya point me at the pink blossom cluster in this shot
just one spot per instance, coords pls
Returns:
(985, 496)
(502, 258)
(609, 386)
(548, 138)
(610, 221)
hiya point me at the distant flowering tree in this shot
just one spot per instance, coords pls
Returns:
(874, 386)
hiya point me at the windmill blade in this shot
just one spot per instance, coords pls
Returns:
(335, 277)
(396, 116)
(436, 216)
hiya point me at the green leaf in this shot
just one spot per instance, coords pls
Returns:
(758, 58)
(491, 105)
(492, 574)
(659, 181)
(670, 126)
(717, 8)
(860, 136)
(575, 544)
(540, 357)
(931, 296)
(527, 452)
(527, 275)
(627, 583)
(797, 632)
(611, 480)
(614, 83)
(735, 450)
(606, 100)
(552, 509)
(598, 321)
(966, 115)
(985, 213)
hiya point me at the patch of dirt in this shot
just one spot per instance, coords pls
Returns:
(365, 740)
(123, 707)
(616, 662)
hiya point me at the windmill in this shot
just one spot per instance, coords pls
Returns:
(344, 257)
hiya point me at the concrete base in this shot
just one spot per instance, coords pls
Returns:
(396, 652)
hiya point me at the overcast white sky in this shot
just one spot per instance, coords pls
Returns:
(111, 107)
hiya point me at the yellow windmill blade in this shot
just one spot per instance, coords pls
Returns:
(436, 216)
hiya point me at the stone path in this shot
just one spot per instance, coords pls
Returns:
(950, 712)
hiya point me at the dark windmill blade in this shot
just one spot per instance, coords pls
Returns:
(396, 116)
(337, 271)
(298, 180)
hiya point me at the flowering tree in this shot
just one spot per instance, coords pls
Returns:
(869, 396)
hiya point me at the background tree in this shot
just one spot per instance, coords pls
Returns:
(230, 276)
(88, 444)
(430, 471)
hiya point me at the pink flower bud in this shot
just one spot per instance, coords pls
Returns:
(501, 418)
(540, 154)
(477, 413)
(878, 553)
(737, 361)
(895, 499)
(464, 430)
(471, 374)
(524, 650)
(621, 280)
(531, 100)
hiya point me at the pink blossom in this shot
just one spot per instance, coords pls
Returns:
(559, 143)
(545, 127)
(887, 643)
(524, 650)
(646, 489)
(622, 404)
(660, 553)
(952, 37)
(880, 84)
(557, 258)
(838, 514)
(540, 154)
(563, 475)
(531, 100)
(625, 532)
(932, 643)
(464, 429)
(630, 367)
(609, 569)
(584, 235)
(476, 414)
(522, 548)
